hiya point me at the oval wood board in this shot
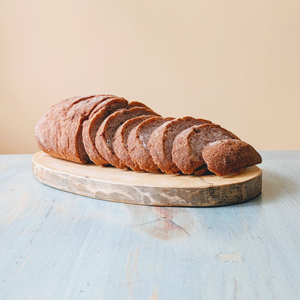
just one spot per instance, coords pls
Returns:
(109, 183)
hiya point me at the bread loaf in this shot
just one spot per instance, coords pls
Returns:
(107, 129)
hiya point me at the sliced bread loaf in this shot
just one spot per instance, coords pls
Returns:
(229, 156)
(59, 131)
(161, 142)
(120, 145)
(138, 140)
(188, 145)
(105, 133)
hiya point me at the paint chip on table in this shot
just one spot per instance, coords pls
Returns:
(231, 257)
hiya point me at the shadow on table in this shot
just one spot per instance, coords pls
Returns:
(274, 187)
(174, 223)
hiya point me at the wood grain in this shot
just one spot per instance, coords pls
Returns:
(144, 188)
(63, 246)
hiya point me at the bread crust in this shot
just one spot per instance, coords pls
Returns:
(59, 130)
(188, 145)
(161, 142)
(229, 156)
(105, 133)
(137, 144)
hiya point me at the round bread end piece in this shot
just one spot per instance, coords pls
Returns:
(229, 156)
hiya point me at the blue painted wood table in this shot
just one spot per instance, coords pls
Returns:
(58, 245)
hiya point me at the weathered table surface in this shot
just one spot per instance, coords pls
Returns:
(57, 245)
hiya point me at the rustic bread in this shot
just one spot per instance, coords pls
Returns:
(97, 116)
(59, 131)
(138, 140)
(107, 129)
(161, 142)
(105, 133)
(120, 146)
(188, 145)
(229, 156)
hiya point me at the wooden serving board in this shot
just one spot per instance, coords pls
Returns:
(109, 183)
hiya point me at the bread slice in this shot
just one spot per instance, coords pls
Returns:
(97, 116)
(161, 142)
(120, 146)
(105, 133)
(229, 156)
(201, 170)
(59, 130)
(188, 145)
(138, 140)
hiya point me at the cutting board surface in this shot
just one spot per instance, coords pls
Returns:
(109, 183)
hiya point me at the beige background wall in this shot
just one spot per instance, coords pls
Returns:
(234, 62)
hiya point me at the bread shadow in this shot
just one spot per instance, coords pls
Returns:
(274, 186)
(174, 223)
(273, 189)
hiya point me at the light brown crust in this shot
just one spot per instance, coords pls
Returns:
(97, 116)
(229, 156)
(59, 131)
(161, 142)
(188, 145)
(106, 131)
(137, 148)
(120, 140)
